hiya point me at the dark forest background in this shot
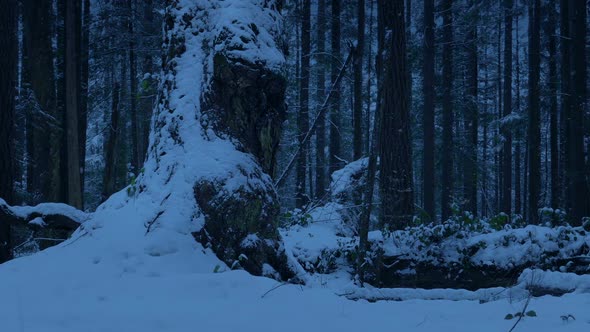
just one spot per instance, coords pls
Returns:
(458, 106)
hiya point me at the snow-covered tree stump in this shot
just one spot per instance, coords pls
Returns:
(217, 128)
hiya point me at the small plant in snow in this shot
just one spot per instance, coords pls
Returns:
(498, 221)
(132, 189)
(530, 313)
(567, 318)
(550, 216)
(296, 217)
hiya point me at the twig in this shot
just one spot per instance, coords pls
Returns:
(282, 284)
(149, 224)
(522, 313)
(275, 287)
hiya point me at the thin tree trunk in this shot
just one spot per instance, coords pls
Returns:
(534, 128)
(84, 76)
(472, 115)
(43, 128)
(447, 109)
(525, 205)
(335, 117)
(110, 153)
(396, 180)
(566, 95)
(148, 84)
(428, 172)
(368, 93)
(61, 98)
(303, 115)
(553, 110)
(518, 143)
(578, 186)
(320, 173)
(8, 72)
(498, 154)
(506, 127)
(484, 184)
(358, 83)
(135, 157)
(365, 218)
(72, 59)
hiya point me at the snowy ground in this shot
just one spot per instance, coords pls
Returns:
(43, 298)
(134, 265)
(112, 277)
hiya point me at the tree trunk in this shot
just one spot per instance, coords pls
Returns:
(553, 111)
(484, 156)
(61, 98)
(498, 153)
(320, 163)
(72, 59)
(358, 83)
(148, 84)
(534, 126)
(396, 180)
(507, 126)
(578, 186)
(472, 115)
(8, 71)
(336, 162)
(428, 172)
(369, 190)
(519, 133)
(216, 133)
(566, 95)
(303, 115)
(43, 127)
(447, 109)
(135, 157)
(83, 104)
(110, 153)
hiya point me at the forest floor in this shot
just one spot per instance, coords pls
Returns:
(113, 276)
(47, 292)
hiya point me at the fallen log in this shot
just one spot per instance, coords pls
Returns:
(47, 223)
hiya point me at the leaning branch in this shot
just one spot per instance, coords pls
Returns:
(322, 110)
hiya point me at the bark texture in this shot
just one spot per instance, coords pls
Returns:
(241, 105)
(320, 172)
(72, 81)
(397, 187)
(303, 115)
(428, 173)
(246, 103)
(534, 125)
(506, 206)
(8, 64)
(447, 110)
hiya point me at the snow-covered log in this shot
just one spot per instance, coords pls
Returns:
(54, 215)
(57, 219)
(467, 254)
